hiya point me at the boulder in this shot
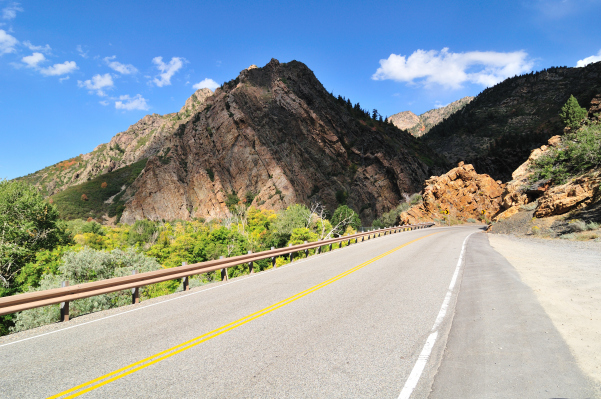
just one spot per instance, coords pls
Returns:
(579, 192)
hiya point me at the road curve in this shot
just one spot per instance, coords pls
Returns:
(356, 330)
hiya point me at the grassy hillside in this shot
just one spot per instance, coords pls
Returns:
(89, 199)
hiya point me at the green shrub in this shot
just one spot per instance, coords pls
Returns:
(250, 197)
(572, 113)
(592, 226)
(142, 232)
(211, 174)
(85, 266)
(389, 218)
(579, 153)
(232, 200)
(416, 199)
(341, 197)
(577, 225)
(344, 217)
(294, 217)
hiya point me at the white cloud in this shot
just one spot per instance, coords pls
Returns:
(207, 83)
(59, 69)
(98, 83)
(451, 70)
(167, 70)
(33, 60)
(80, 51)
(123, 69)
(10, 12)
(589, 60)
(104, 102)
(7, 43)
(44, 49)
(131, 103)
(63, 79)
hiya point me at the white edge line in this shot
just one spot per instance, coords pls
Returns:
(183, 296)
(422, 360)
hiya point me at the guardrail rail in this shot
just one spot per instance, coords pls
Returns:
(67, 293)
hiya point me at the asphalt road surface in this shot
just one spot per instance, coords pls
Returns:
(351, 323)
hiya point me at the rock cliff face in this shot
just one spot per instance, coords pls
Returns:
(141, 140)
(458, 195)
(502, 125)
(420, 125)
(273, 137)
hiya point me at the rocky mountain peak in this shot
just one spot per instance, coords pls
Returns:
(404, 120)
(420, 125)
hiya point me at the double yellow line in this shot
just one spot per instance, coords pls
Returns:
(132, 368)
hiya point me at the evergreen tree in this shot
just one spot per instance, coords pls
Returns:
(572, 113)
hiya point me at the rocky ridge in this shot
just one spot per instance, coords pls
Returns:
(420, 125)
(141, 140)
(273, 137)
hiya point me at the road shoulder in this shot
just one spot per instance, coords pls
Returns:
(502, 343)
(565, 276)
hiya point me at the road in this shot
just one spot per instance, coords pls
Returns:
(351, 323)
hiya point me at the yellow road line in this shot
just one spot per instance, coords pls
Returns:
(139, 365)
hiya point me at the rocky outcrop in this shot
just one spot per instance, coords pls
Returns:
(520, 191)
(575, 194)
(420, 125)
(274, 137)
(497, 130)
(459, 194)
(141, 140)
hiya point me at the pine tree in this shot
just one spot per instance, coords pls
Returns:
(572, 113)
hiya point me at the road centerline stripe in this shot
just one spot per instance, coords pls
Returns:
(141, 364)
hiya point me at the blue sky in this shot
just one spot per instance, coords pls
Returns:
(73, 76)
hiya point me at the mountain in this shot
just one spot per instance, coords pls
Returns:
(420, 125)
(498, 129)
(141, 141)
(275, 137)
(272, 137)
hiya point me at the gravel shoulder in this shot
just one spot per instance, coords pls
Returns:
(566, 279)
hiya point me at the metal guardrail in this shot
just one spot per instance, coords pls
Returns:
(65, 294)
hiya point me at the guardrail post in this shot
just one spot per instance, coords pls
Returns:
(224, 276)
(318, 250)
(135, 292)
(273, 259)
(251, 269)
(306, 252)
(291, 256)
(65, 305)
(330, 248)
(186, 280)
